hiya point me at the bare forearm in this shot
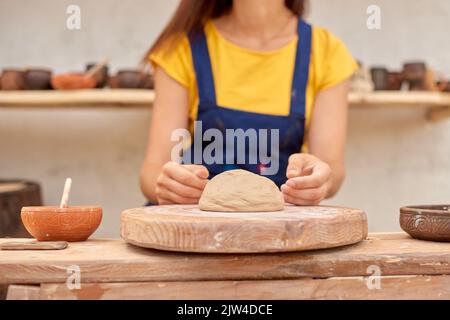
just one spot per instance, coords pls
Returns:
(336, 178)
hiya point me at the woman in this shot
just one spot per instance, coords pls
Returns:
(249, 64)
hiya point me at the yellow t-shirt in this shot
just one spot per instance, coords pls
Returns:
(256, 81)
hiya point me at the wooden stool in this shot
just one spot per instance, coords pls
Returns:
(15, 194)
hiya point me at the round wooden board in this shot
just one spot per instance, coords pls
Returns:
(188, 229)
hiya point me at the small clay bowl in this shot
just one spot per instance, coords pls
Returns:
(130, 79)
(13, 79)
(113, 82)
(148, 82)
(415, 74)
(38, 79)
(427, 222)
(414, 71)
(74, 223)
(101, 77)
(73, 81)
(395, 80)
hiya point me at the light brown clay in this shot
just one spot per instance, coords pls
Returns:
(241, 191)
(74, 223)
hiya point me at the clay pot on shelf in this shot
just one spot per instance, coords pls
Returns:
(415, 73)
(113, 82)
(38, 79)
(73, 223)
(380, 78)
(446, 88)
(130, 79)
(148, 82)
(395, 80)
(13, 79)
(101, 77)
(73, 81)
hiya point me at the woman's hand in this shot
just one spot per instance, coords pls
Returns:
(180, 184)
(309, 180)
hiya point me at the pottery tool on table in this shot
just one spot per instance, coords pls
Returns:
(186, 228)
(66, 192)
(34, 245)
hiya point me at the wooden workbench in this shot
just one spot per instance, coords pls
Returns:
(112, 269)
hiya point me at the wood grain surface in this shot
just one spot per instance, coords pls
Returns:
(188, 229)
(116, 261)
(395, 287)
(23, 292)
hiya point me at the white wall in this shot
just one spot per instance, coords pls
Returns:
(394, 157)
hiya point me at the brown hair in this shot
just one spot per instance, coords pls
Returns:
(191, 15)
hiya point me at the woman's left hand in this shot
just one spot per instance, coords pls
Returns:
(309, 180)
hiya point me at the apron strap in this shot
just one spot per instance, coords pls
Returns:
(301, 70)
(202, 66)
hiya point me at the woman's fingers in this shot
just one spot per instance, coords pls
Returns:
(299, 202)
(319, 175)
(307, 180)
(295, 165)
(183, 175)
(304, 196)
(178, 188)
(199, 170)
(182, 184)
(168, 197)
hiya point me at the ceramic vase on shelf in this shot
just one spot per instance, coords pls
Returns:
(380, 78)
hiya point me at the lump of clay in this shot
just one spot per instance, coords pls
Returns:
(241, 191)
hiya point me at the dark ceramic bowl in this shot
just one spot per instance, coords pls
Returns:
(427, 222)
(395, 80)
(414, 71)
(380, 78)
(415, 74)
(148, 82)
(130, 79)
(113, 82)
(38, 79)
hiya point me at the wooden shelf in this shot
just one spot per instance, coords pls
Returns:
(437, 104)
(400, 99)
(78, 98)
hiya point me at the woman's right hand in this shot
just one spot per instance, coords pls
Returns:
(181, 183)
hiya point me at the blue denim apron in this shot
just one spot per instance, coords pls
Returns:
(212, 116)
